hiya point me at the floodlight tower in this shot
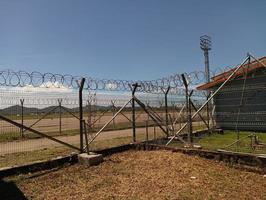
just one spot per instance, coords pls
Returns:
(205, 45)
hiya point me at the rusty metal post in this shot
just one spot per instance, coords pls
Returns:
(188, 109)
(135, 86)
(166, 109)
(22, 117)
(60, 115)
(81, 114)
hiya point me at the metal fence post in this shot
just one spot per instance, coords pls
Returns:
(86, 137)
(208, 112)
(22, 116)
(60, 115)
(113, 112)
(135, 86)
(233, 73)
(81, 114)
(166, 109)
(188, 108)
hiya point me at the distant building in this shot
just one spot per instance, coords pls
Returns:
(241, 103)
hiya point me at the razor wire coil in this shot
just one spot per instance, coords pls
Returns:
(10, 78)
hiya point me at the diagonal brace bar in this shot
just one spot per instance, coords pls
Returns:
(208, 100)
(36, 132)
(153, 118)
(46, 114)
(107, 123)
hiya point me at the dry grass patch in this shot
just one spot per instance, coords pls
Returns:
(145, 175)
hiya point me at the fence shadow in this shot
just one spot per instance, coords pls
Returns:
(9, 190)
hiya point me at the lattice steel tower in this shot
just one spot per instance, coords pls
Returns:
(205, 45)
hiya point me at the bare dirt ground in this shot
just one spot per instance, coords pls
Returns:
(143, 175)
(68, 123)
(41, 143)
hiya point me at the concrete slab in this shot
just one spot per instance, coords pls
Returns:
(90, 159)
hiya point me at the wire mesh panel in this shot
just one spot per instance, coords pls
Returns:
(105, 120)
(38, 111)
(49, 103)
(49, 111)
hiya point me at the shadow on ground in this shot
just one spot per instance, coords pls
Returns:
(9, 190)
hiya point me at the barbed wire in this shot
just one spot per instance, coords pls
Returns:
(36, 79)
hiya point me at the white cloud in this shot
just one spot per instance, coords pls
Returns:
(55, 87)
(111, 86)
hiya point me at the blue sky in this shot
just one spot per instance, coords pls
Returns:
(127, 39)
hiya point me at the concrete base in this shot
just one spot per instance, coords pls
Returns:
(90, 159)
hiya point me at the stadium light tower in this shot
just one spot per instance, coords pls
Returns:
(205, 45)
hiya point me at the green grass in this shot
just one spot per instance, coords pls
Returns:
(31, 156)
(14, 136)
(221, 141)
